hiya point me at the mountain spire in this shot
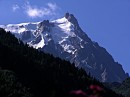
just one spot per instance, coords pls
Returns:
(65, 39)
(71, 18)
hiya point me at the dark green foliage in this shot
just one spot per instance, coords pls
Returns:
(45, 75)
(122, 88)
(9, 87)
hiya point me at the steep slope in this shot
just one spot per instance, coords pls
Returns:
(41, 74)
(65, 39)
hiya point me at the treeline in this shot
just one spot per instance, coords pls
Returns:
(120, 88)
(27, 72)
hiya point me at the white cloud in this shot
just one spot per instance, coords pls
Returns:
(34, 11)
(52, 6)
(15, 7)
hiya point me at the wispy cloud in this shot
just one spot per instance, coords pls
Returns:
(15, 7)
(34, 11)
(52, 6)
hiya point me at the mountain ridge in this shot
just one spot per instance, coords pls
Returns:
(25, 71)
(65, 39)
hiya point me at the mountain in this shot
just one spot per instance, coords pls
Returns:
(65, 39)
(27, 72)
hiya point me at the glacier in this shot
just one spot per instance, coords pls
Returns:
(65, 39)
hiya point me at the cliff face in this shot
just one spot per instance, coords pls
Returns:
(65, 39)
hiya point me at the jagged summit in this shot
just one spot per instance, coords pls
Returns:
(67, 15)
(65, 39)
(72, 19)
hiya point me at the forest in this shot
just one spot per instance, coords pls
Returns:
(27, 72)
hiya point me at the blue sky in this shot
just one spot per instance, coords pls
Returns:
(105, 21)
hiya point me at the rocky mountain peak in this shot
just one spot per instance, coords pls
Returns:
(71, 18)
(65, 39)
(67, 15)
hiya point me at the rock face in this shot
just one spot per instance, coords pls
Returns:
(65, 39)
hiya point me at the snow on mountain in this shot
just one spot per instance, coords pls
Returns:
(65, 39)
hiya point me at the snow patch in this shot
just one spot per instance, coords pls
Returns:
(38, 45)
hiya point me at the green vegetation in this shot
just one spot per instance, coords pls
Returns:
(27, 72)
(9, 87)
(121, 88)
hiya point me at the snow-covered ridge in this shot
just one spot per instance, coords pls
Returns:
(19, 28)
(64, 38)
(62, 30)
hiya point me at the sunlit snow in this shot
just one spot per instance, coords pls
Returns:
(60, 33)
